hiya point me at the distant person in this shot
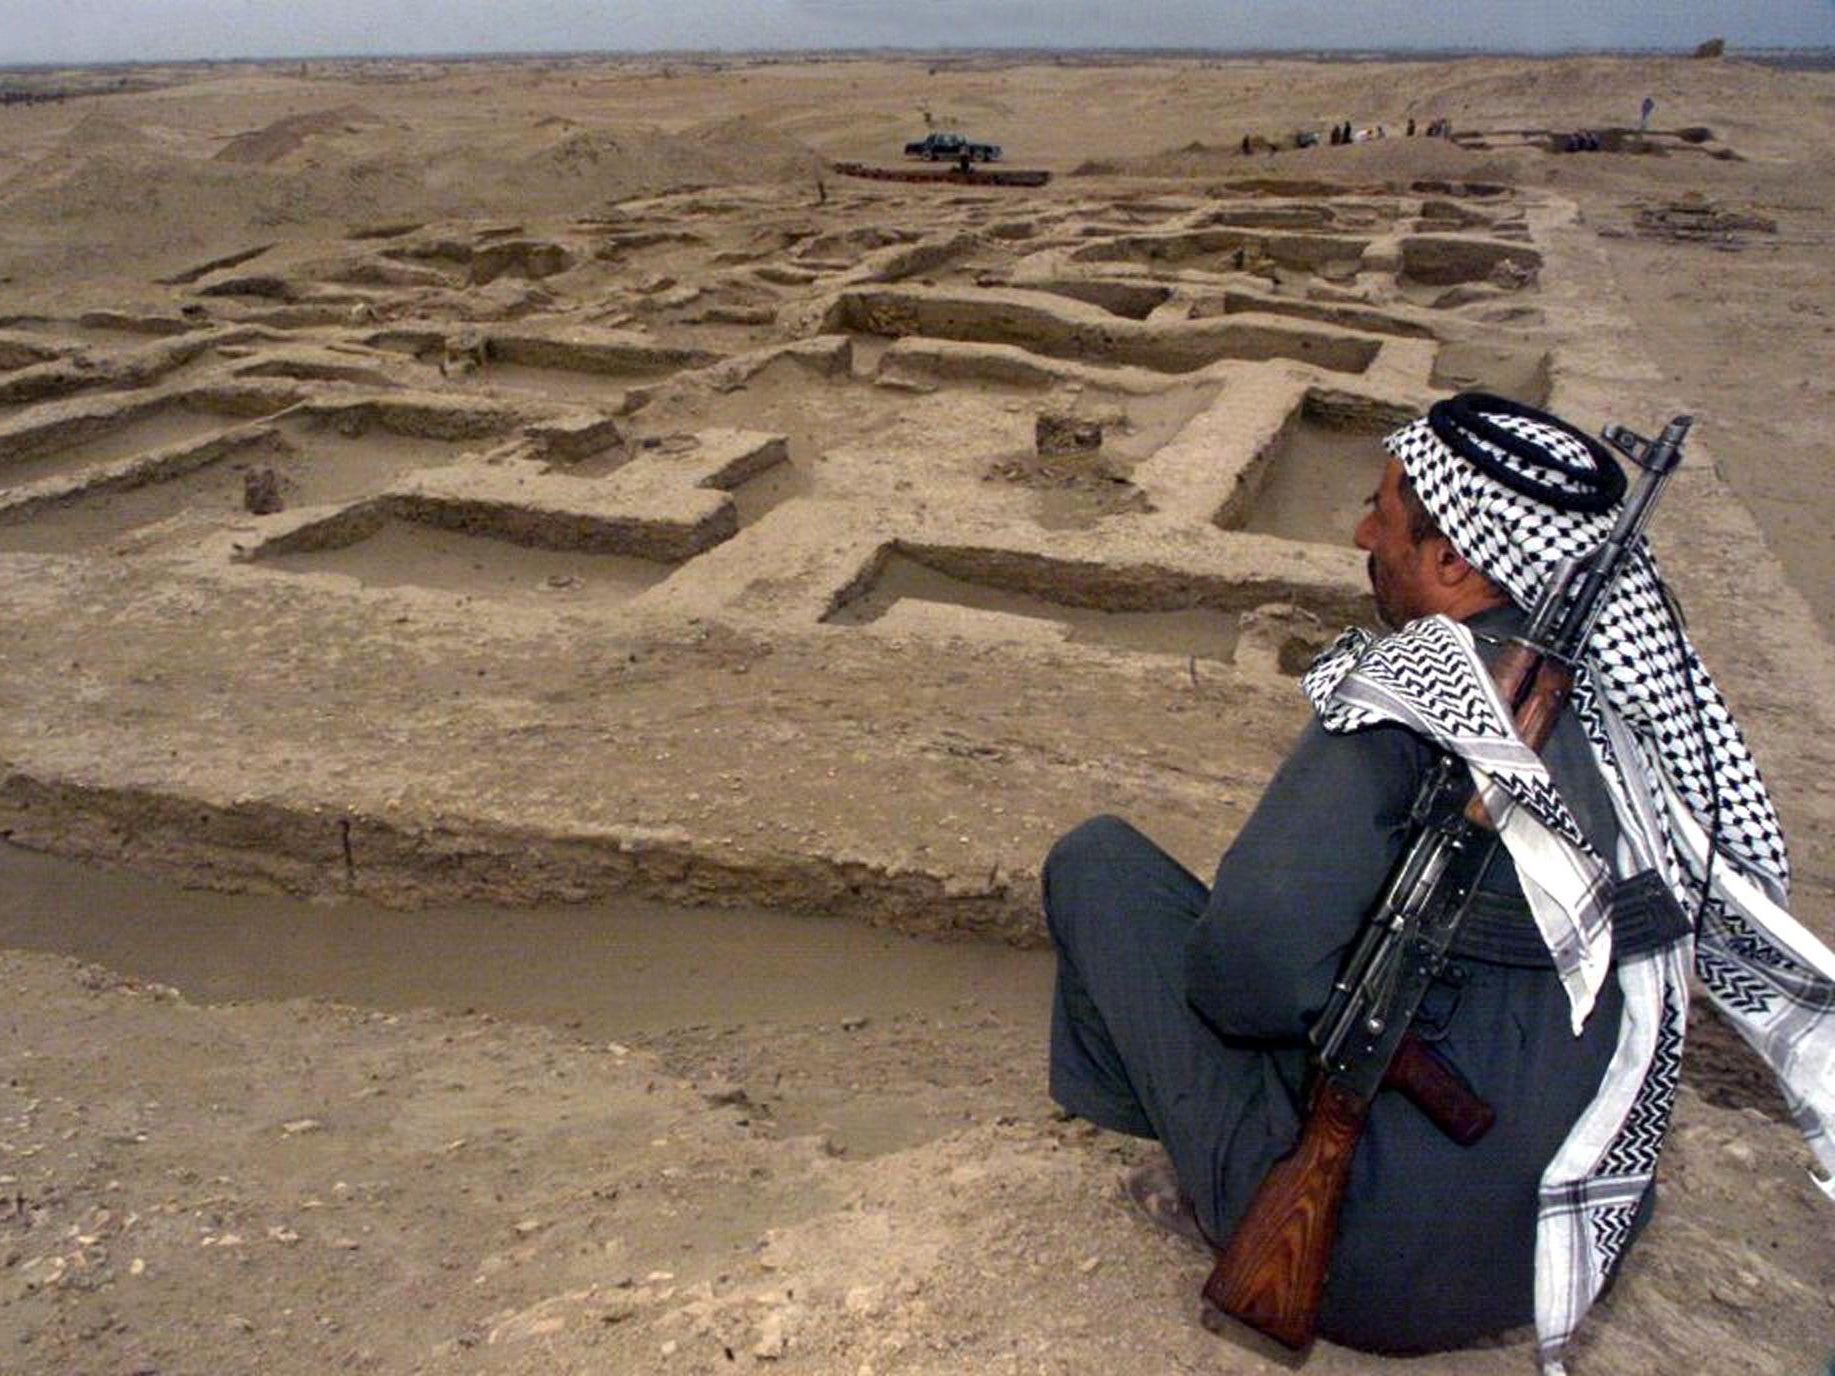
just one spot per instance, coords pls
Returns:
(1182, 1011)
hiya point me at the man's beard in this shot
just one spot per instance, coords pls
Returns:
(1386, 610)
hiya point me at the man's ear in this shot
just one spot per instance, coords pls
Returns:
(1463, 582)
(1450, 568)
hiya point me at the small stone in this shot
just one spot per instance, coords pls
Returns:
(668, 1348)
(297, 1126)
(771, 1340)
(1089, 1264)
(854, 1023)
(261, 491)
(1735, 1293)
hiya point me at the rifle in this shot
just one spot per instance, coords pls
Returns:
(1271, 1273)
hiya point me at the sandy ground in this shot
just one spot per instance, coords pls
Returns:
(787, 605)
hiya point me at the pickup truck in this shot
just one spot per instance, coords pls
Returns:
(938, 147)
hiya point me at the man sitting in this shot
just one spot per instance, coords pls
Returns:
(1181, 1012)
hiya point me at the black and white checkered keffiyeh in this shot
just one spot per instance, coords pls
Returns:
(1645, 665)
(1683, 785)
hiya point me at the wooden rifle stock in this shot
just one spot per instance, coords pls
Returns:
(1272, 1273)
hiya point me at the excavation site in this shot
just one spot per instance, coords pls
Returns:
(550, 628)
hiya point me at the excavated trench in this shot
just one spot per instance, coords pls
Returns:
(318, 457)
(608, 969)
(400, 553)
(905, 593)
(1312, 483)
(1045, 323)
(158, 429)
(202, 482)
(626, 971)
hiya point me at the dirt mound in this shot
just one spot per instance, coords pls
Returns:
(97, 132)
(582, 154)
(97, 138)
(143, 203)
(1581, 91)
(609, 164)
(755, 153)
(1740, 101)
(106, 185)
(110, 176)
(273, 142)
(1397, 162)
(1393, 161)
(619, 163)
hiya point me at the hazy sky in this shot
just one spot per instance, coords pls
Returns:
(114, 30)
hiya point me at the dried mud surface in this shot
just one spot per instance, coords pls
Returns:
(546, 481)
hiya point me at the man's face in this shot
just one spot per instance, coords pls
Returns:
(1398, 564)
